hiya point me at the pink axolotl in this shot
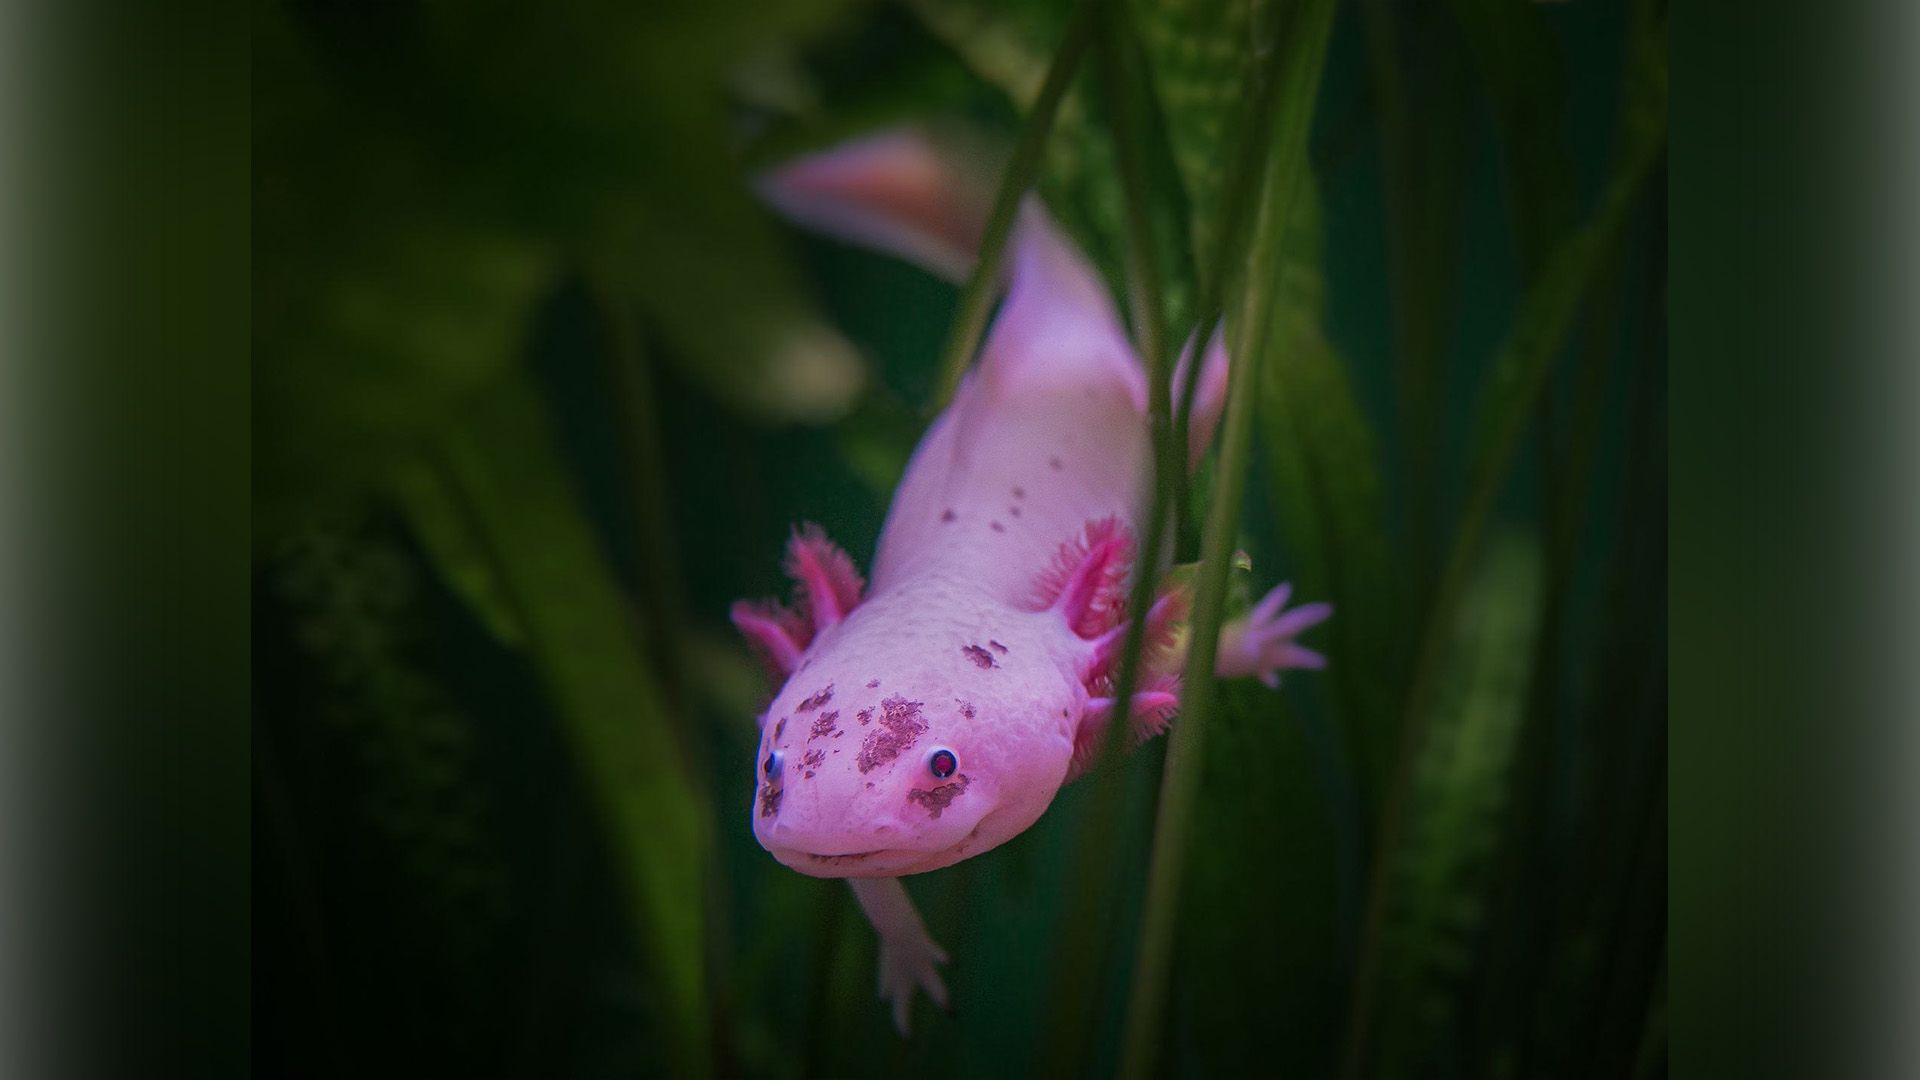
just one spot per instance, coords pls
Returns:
(933, 715)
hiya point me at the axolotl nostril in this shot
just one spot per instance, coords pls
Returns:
(934, 714)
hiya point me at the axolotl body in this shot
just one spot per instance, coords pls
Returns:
(933, 714)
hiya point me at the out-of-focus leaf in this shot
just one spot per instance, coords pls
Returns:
(1423, 120)
(1442, 867)
(1520, 65)
(878, 443)
(1199, 53)
(448, 537)
(420, 177)
(353, 595)
(1327, 491)
(1542, 322)
(502, 467)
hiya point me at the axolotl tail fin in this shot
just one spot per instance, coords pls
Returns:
(903, 193)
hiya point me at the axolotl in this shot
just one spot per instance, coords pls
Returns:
(932, 714)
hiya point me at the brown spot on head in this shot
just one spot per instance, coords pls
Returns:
(825, 724)
(900, 727)
(824, 695)
(779, 729)
(871, 683)
(1014, 510)
(947, 516)
(1019, 492)
(939, 798)
(997, 527)
(966, 708)
(997, 647)
(769, 799)
(812, 761)
(1055, 464)
(865, 716)
(981, 658)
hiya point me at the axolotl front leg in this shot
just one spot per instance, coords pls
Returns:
(1260, 644)
(907, 952)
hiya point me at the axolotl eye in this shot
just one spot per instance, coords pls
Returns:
(942, 763)
(771, 766)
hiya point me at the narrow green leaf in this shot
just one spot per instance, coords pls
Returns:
(1424, 125)
(1200, 53)
(1518, 60)
(976, 300)
(1075, 984)
(1302, 62)
(463, 562)
(503, 469)
(1442, 867)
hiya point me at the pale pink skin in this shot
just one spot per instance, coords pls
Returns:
(992, 623)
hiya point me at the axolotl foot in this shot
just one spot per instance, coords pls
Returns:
(1262, 644)
(907, 952)
(905, 964)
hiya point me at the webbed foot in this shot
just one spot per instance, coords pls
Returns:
(904, 965)
(1262, 644)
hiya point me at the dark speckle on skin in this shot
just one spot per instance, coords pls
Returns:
(937, 799)
(825, 724)
(1014, 510)
(981, 658)
(997, 647)
(1055, 464)
(825, 695)
(997, 527)
(900, 727)
(769, 799)
(812, 761)
(966, 708)
(865, 716)
(1019, 493)
(871, 683)
(948, 516)
(779, 729)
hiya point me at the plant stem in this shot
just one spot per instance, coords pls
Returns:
(976, 301)
(1123, 87)
(1285, 175)
(1243, 185)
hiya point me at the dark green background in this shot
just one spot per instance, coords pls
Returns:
(456, 215)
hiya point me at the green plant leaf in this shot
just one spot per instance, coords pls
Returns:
(435, 515)
(501, 466)
(1301, 63)
(1199, 53)
(1442, 868)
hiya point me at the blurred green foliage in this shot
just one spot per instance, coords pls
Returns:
(540, 389)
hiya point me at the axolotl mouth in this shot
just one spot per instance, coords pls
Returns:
(882, 862)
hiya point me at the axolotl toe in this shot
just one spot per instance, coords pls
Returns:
(935, 715)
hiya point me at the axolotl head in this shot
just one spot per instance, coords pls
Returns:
(901, 747)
